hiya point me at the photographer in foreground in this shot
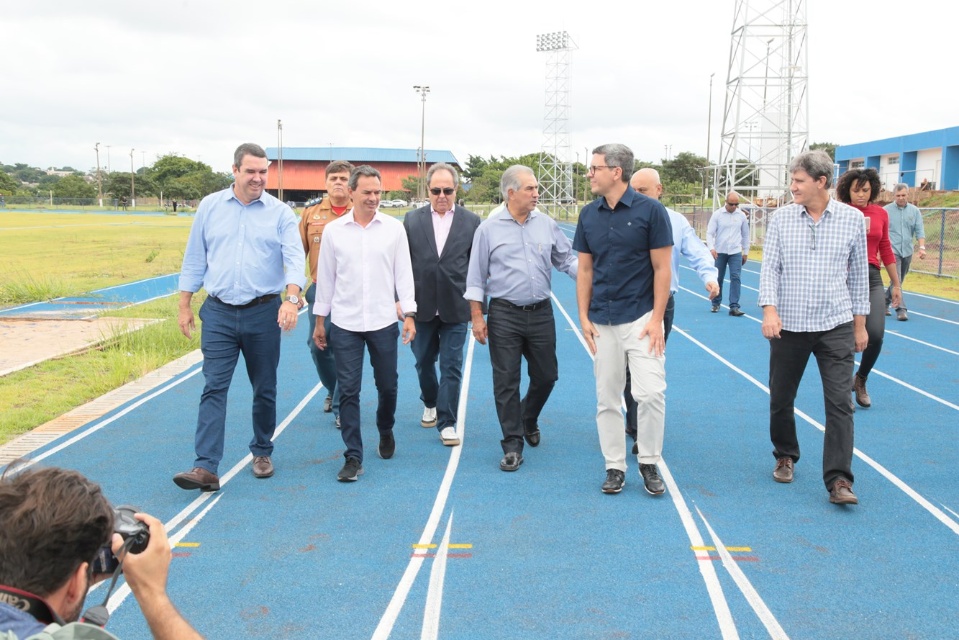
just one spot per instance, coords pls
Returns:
(53, 523)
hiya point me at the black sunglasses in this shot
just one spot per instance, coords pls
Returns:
(446, 191)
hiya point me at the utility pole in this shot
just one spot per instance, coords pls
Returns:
(421, 188)
(133, 186)
(99, 180)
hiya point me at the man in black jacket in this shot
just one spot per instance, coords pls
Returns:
(440, 237)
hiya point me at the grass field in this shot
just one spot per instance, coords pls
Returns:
(50, 255)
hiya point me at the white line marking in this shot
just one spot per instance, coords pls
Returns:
(909, 491)
(752, 597)
(100, 425)
(393, 609)
(913, 294)
(121, 594)
(916, 389)
(434, 596)
(923, 315)
(716, 596)
(922, 342)
(124, 591)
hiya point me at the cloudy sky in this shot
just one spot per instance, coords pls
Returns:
(197, 77)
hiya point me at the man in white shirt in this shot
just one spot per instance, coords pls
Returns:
(727, 238)
(364, 261)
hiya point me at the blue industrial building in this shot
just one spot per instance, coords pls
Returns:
(932, 156)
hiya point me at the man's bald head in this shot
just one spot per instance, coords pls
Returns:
(646, 181)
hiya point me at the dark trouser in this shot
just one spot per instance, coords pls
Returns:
(513, 335)
(435, 338)
(323, 359)
(735, 262)
(627, 394)
(902, 266)
(228, 331)
(348, 347)
(788, 356)
(875, 323)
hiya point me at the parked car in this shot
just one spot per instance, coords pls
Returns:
(398, 203)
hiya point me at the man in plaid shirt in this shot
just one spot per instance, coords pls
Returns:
(814, 291)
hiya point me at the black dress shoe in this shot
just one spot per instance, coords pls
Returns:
(736, 312)
(532, 437)
(197, 478)
(615, 480)
(511, 461)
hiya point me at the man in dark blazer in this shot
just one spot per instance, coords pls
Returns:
(440, 238)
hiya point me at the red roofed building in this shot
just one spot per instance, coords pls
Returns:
(304, 168)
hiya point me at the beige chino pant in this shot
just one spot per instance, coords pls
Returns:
(617, 346)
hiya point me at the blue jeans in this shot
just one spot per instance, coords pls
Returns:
(227, 332)
(735, 262)
(902, 266)
(435, 338)
(322, 358)
(348, 347)
(513, 335)
(788, 355)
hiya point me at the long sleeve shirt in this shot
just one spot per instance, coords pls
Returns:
(362, 272)
(728, 232)
(514, 261)
(905, 224)
(877, 235)
(239, 252)
(815, 273)
(688, 245)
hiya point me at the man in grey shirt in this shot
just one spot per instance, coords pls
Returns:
(514, 251)
(905, 224)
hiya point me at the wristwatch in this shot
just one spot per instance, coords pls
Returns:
(410, 314)
(294, 299)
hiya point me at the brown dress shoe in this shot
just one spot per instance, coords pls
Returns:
(262, 467)
(859, 387)
(784, 469)
(198, 478)
(841, 493)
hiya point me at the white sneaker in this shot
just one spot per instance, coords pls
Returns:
(448, 436)
(429, 417)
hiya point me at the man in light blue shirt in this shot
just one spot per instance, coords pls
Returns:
(727, 238)
(244, 248)
(513, 255)
(905, 224)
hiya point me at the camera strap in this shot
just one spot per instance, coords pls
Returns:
(98, 614)
(29, 603)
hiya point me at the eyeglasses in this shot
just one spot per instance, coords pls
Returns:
(593, 168)
(446, 191)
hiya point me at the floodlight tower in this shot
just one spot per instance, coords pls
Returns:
(766, 114)
(555, 168)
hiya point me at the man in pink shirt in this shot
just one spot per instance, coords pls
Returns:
(441, 238)
(364, 260)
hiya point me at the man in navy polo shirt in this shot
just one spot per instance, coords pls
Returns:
(625, 244)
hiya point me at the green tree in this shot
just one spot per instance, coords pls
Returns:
(8, 184)
(685, 167)
(828, 147)
(74, 187)
(183, 178)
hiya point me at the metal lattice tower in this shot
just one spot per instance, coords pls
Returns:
(555, 166)
(766, 114)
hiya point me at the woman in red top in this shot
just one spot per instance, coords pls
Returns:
(859, 188)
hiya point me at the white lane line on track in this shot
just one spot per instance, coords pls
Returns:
(727, 625)
(909, 491)
(117, 599)
(752, 596)
(96, 427)
(928, 297)
(922, 342)
(936, 318)
(434, 596)
(878, 372)
(121, 594)
(395, 606)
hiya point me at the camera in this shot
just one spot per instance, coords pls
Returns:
(135, 534)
